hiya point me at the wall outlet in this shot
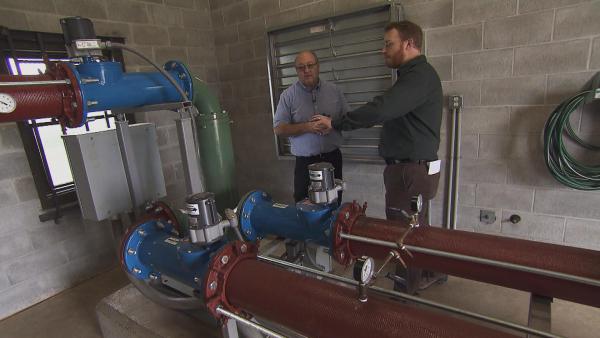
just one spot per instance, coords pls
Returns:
(487, 216)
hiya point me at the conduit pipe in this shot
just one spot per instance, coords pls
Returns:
(455, 104)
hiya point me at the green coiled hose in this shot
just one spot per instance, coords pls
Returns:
(562, 165)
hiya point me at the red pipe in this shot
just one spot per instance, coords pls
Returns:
(557, 258)
(63, 102)
(320, 309)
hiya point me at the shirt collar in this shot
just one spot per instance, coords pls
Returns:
(415, 61)
(317, 87)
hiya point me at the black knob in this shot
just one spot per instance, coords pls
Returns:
(514, 219)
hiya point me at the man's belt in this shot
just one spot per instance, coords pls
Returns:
(321, 155)
(390, 161)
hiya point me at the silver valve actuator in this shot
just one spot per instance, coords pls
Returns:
(323, 187)
(204, 220)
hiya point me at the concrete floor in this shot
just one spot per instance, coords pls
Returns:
(72, 313)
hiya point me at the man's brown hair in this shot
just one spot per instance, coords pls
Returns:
(408, 31)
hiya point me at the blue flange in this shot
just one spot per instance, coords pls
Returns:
(152, 249)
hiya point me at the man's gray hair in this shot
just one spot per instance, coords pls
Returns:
(307, 51)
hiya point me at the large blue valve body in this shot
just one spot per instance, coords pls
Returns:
(260, 216)
(116, 89)
(152, 251)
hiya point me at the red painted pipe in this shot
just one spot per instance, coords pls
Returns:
(33, 102)
(557, 258)
(63, 102)
(317, 308)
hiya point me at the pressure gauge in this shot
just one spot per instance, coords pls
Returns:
(416, 203)
(7, 104)
(364, 268)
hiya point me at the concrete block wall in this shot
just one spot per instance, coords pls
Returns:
(512, 60)
(38, 260)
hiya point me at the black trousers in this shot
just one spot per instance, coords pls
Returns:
(301, 179)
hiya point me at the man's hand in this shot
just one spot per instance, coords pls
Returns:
(324, 122)
(316, 127)
(319, 124)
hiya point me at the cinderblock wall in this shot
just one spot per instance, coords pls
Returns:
(38, 260)
(512, 60)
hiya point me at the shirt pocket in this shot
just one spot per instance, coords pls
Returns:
(331, 108)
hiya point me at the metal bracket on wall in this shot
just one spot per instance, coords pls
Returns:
(540, 313)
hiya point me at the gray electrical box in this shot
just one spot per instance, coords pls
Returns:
(99, 174)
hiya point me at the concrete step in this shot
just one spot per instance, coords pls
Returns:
(128, 314)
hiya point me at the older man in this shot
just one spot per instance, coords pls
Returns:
(298, 104)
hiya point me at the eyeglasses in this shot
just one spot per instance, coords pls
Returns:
(389, 44)
(309, 66)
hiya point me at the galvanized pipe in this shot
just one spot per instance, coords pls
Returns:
(511, 266)
(448, 222)
(35, 83)
(414, 299)
(247, 322)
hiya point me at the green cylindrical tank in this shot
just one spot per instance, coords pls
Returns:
(215, 146)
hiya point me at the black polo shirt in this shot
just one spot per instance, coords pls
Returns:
(411, 113)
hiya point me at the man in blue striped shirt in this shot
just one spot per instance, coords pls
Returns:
(307, 97)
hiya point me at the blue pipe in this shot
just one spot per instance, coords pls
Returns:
(116, 89)
(260, 216)
(151, 250)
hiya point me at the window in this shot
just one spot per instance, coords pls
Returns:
(25, 53)
(348, 47)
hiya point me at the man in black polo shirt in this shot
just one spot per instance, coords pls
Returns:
(411, 113)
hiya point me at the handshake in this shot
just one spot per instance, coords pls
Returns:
(319, 124)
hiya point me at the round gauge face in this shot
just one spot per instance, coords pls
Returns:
(367, 270)
(7, 103)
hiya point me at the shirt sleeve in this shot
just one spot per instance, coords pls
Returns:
(409, 92)
(283, 114)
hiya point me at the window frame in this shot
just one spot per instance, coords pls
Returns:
(20, 44)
